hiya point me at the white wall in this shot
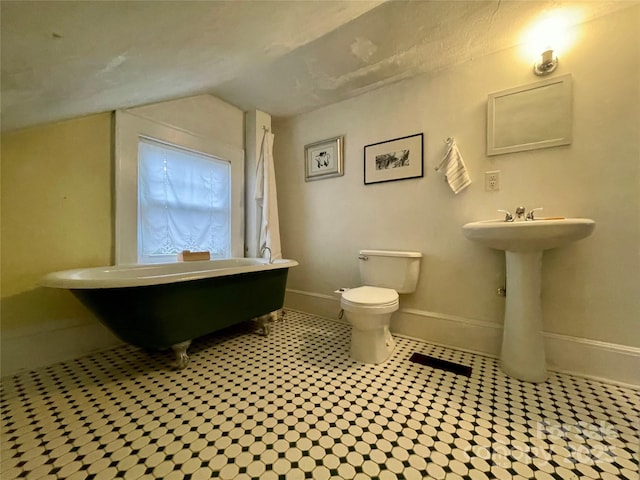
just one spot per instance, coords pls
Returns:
(203, 115)
(590, 288)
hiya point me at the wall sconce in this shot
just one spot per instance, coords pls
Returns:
(547, 64)
(550, 35)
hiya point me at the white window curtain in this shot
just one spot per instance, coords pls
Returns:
(184, 202)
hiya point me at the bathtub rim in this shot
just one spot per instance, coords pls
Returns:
(78, 279)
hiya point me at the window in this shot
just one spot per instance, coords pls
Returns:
(175, 191)
(183, 202)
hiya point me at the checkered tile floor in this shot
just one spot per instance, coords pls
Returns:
(293, 405)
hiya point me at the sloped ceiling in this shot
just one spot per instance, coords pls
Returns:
(66, 59)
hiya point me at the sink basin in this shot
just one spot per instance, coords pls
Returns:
(531, 236)
(522, 353)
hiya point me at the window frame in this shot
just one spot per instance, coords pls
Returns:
(129, 128)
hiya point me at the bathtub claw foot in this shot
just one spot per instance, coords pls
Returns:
(263, 328)
(266, 329)
(182, 359)
(262, 324)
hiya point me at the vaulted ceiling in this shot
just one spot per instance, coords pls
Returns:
(62, 59)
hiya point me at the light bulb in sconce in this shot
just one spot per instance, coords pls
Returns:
(547, 64)
(550, 35)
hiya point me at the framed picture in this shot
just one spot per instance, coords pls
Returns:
(323, 159)
(397, 159)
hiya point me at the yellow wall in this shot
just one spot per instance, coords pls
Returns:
(56, 215)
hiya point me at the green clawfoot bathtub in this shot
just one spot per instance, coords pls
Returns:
(168, 305)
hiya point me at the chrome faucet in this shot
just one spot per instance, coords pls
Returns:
(530, 215)
(520, 213)
(262, 252)
(507, 215)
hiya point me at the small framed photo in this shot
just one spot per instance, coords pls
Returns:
(323, 159)
(397, 159)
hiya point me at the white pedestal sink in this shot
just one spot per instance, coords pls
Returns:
(522, 354)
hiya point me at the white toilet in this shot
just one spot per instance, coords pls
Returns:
(385, 274)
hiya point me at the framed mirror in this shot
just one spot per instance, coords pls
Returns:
(529, 117)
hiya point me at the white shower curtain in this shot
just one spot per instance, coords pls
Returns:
(267, 199)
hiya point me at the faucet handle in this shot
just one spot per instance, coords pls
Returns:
(530, 215)
(264, 249)
(507, 217)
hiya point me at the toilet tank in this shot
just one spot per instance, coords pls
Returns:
(390, 269)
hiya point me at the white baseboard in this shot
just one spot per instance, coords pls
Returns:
(449, 330)
(26, 351)
(326, 306)
(593, 359)
(588, 358)
(603, 361)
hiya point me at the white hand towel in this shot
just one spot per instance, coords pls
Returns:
(456, 171)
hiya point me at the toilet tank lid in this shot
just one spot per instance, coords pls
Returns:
(390, 253)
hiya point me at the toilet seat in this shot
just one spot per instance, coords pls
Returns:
(370, 299)
(370, 296)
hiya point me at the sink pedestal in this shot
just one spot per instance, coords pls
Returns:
(523, 242)
(522, 354)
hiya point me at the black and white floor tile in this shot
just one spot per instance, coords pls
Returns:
(293, 405)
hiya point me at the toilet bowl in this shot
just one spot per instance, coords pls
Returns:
(385, 273)
(368, 310)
